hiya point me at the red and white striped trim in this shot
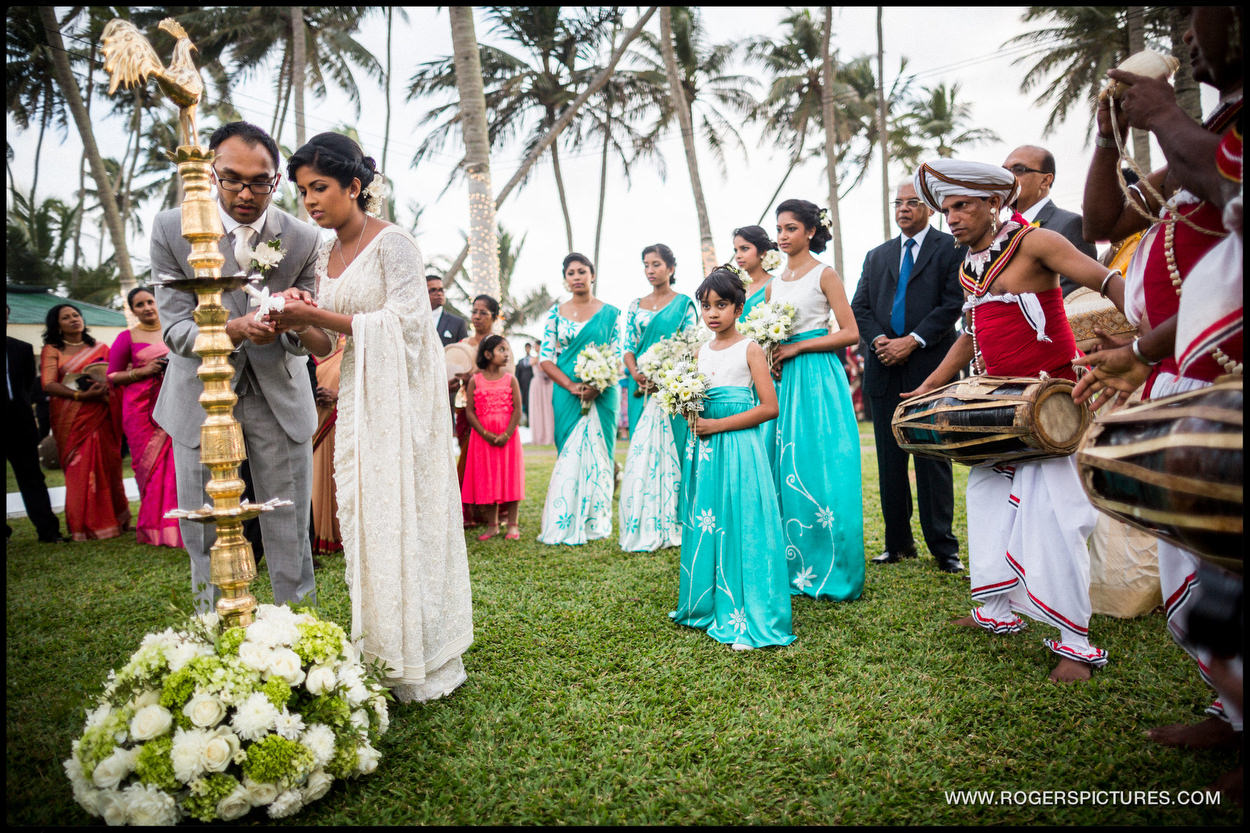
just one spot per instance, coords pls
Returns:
(992, 625)
(1096, 657)
(1056, 618)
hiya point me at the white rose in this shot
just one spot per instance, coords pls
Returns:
(287, 804)
(110, 772)
(149, 806)
(321, 679)
(219, 751)
(254, 655)
(144, 699)
(260, 793)
(112, 807)
(357, 694)
(360, 719)
(366, 759)
(285, 663)
(187, 754)
(205, 710)
(317, 785)
(234, 806)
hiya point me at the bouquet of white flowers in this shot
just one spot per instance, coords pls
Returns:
(768, 324)
(209, 722)
(681, 388)
(771, 260)
(598, 366)
(665, 353)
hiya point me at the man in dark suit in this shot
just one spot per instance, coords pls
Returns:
(906, 305)
(451, 328)
(525, 375)
(1034, 168)
(21, 446)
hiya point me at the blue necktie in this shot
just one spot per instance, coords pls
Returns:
(898, 310)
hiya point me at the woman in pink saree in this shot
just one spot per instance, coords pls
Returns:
(87, 425)
(137, 366)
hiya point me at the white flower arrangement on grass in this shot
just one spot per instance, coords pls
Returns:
(772, 259)
(598, 366)
(768, 325)
(210, 723)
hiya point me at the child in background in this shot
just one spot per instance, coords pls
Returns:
(494, 473)
(733, 582)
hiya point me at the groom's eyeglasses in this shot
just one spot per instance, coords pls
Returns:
(234, 186)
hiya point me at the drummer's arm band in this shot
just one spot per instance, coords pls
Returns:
(1102, 290)
(1140, 356)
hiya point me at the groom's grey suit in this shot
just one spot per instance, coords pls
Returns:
(275, 406)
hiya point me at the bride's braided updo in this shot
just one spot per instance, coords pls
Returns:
(337, 156)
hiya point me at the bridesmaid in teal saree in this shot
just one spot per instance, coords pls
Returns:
(652, 476)
(751, 244)
(578, 506)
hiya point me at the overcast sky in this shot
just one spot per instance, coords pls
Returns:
(942, 45)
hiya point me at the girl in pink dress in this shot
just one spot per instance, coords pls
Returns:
(494, 473)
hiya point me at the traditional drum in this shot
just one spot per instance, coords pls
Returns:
(1173, 467)
(460, 358)
(996, 419)
(1086, 309)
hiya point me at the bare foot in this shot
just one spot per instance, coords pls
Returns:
(1211, 733)
(1069, 671)
(1231, 785)
(966, 622)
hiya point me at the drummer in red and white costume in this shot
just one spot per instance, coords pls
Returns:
(1027, 522)
(1189, 280)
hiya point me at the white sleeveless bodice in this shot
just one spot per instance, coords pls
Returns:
(811, 308)
(726, 368)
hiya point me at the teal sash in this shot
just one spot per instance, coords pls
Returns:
(567, 407)
(665, 323)
(756, 298)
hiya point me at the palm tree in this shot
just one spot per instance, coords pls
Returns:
(1077, 48)
(882, 108)
(526, 93)
(484, 265)
(700, 87)
(31, 93)
(939, 118)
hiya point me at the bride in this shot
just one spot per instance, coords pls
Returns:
(407, 570)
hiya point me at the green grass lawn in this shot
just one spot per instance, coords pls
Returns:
(585, 705)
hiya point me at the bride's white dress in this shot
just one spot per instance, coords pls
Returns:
(399, 502)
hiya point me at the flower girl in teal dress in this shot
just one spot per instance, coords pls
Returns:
(733, 581)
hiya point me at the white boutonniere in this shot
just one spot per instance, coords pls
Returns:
(266, 256)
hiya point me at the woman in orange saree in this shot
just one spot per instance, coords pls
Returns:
(326, 537)
(86, 422)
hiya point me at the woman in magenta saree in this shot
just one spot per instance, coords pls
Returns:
(86, 424)
(137, 366)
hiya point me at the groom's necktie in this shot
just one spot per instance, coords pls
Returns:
(898, 310)
(243, 247)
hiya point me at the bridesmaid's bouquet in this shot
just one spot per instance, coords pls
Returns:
(667, 352)
(681, 388)
(768, 325)
(597, 365)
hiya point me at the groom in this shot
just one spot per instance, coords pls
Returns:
(275, 403)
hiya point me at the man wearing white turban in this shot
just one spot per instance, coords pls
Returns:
(1028, 522)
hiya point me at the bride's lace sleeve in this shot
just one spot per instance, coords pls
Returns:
(403, 276)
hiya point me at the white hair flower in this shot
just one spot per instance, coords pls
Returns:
(826, 220)
(377, 192)
(740, 273)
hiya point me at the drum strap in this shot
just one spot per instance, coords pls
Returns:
(999, 258)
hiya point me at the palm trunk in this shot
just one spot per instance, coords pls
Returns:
(299, 61)
(794, 162)
(831, 140)
(603, 185)
(883, 137)
(1136, 43)
(564, 203)
(34, 177)
(69, 88)
(82, 174)
(565, 118)
(386, 132)
(483, 240)
(1187, 92)
(279, 107)
(686, 120)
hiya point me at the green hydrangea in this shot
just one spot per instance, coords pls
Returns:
(225, 678)
(178, 689)
(278, 760)
(99, 741)
(277, 690)
(343, 764)
(154, 766)
(319, 642)
(206, 793)
(328, 709)
(228, 643)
